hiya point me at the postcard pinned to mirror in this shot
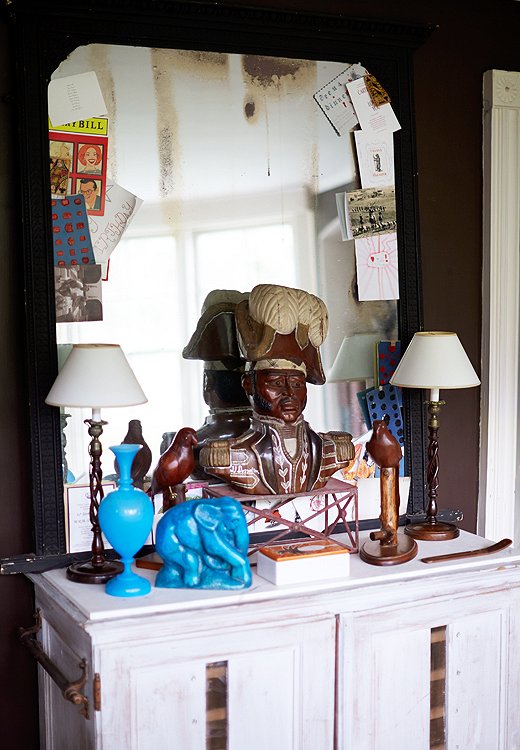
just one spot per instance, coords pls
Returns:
(375, 153)
(370, 116)
(372, 211)
(377, 267)
(74, 98)
(334, 100)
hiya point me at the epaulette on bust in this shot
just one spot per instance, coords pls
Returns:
(345, 450)
(215, 453)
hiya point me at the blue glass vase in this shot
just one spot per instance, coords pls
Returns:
(125, 516)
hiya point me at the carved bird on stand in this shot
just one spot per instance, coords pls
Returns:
(175, 464)
(143, 458)
(383, 446)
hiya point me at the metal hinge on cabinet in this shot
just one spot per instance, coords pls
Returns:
(96, 689)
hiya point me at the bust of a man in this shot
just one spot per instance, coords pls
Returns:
(280, 453)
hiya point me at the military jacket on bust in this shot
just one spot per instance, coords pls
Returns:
(261, 462)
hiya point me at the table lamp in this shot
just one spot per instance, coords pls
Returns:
(95, 376)
(355, 360)
(434, 360)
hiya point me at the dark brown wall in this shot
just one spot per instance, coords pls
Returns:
(472, 37)
(18, 687)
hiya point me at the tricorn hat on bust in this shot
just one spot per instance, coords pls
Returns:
(215, 339)
(279, 325)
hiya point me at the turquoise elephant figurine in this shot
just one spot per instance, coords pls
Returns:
(203, 544)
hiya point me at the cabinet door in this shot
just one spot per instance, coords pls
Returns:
(276, 686)
(385, 688)
(389, 686)
(62, 726)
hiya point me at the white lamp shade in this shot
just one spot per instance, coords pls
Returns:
(435, 359)
(96, 376)
(355, 359)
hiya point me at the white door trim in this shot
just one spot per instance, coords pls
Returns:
(500, 306)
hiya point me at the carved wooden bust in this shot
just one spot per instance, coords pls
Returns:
(279, 332)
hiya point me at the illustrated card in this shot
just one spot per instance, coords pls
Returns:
(375, 153)
(61, 151)
(77, 291)
(377, 267)
(371, 211)
(78, 161)
(70, 232)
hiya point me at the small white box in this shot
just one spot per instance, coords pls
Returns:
(308, 560)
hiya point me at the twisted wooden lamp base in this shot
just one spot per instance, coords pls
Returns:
(98, 569)
(431, 529)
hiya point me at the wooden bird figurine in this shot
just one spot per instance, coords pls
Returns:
(387, 546)
(383, 447)
(143, 458)
(175, 465)
(386, 452)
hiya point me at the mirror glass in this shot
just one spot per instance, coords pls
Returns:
(237, 168)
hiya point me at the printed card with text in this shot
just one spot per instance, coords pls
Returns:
(78, 527)
(334, 100)
(371, 117)
(74, 98)
(375, 153)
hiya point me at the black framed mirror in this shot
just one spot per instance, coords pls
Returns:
(44, 35)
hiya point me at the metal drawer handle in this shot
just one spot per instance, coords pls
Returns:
(71, 691)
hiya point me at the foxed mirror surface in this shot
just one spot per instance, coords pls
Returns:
(237, 168)
(45, 35)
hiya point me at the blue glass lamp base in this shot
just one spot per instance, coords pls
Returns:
(128, 583)
(126, 518)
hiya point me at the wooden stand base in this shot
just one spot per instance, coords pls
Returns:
(151, 561)
(432, 532)
(85, 572)
(375, 553)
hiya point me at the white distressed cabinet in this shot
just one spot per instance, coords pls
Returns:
(391, 657)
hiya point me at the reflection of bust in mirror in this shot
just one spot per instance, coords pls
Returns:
(215, 342)
(280, 331)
